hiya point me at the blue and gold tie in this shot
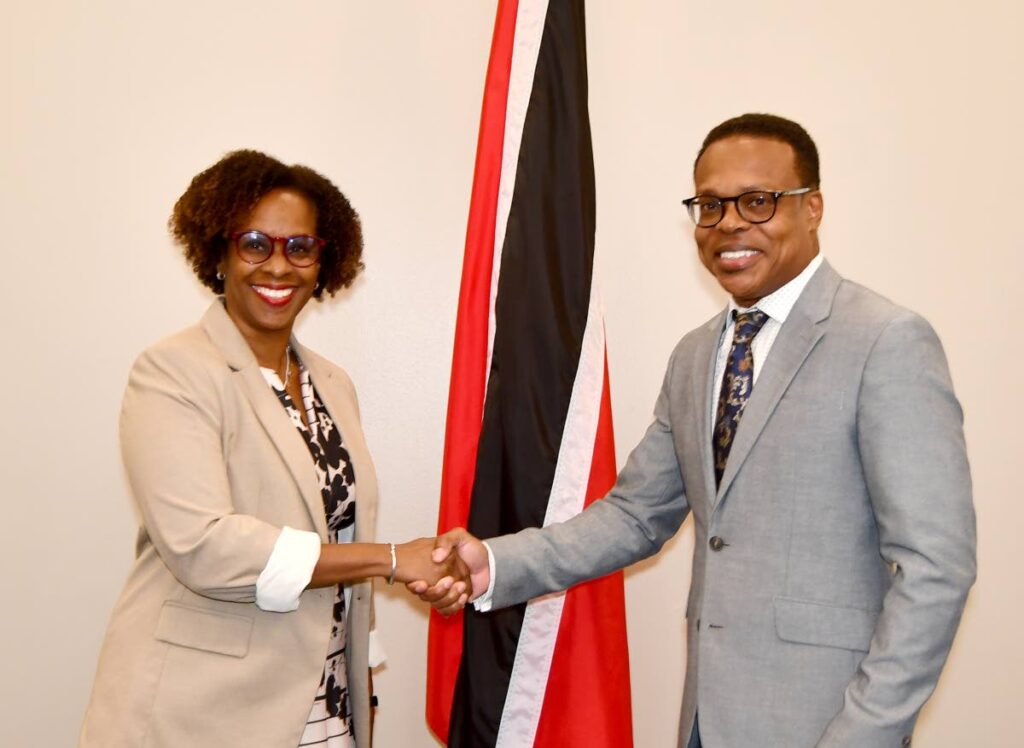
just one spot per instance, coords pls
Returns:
(737, 382)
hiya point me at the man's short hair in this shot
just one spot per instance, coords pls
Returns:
(775, 128)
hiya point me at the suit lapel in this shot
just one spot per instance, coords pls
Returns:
(705, 356)
(800, 333)
(268, 410)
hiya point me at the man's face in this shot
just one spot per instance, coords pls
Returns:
(752, 260)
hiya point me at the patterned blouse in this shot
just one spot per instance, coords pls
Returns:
(330, 720)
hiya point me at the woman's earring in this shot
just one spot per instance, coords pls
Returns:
(220, 275)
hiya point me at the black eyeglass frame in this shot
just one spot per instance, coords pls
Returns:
(690, 203)
(274, 241)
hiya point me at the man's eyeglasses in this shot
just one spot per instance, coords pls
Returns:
(255, 247)
(754, 207)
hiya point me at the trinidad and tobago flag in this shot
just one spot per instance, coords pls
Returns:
(529, 436)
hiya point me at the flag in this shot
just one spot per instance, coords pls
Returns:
(529, 433)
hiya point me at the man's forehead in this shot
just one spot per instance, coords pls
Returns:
(744, 162)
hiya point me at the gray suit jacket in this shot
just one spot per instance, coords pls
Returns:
(832, 565)
(216, 469)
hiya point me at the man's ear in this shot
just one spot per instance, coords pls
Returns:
(815, 206)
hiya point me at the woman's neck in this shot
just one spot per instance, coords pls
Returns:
(268, 346)
(269, 349)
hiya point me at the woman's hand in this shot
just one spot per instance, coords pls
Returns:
(342, 563)
(415, 563)
(457, 543)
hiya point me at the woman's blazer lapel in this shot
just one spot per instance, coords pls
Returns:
(267, 408)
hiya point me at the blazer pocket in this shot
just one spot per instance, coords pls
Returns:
(208, 630)
(824, 624)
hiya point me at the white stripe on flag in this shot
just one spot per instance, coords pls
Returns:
(530, 16)
(529, 679)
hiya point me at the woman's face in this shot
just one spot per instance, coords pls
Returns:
(263, 300)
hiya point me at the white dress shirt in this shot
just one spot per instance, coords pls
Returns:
(777, 306)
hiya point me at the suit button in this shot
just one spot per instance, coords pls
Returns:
(716, 543)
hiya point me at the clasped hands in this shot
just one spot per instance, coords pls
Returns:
(447, 571)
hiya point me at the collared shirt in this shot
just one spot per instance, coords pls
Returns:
(777, 306)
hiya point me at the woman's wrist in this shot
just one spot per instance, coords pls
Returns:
(342, 563)
(394, 563)
(382, 561)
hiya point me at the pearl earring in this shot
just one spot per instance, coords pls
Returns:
(220, 275)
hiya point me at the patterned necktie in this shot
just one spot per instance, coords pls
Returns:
(736, 385)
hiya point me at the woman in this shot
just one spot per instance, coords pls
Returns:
(245, 619)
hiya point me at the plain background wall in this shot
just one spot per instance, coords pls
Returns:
(111, 106)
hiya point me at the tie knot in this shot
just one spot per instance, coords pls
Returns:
(748, 324)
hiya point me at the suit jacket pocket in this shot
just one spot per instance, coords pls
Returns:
(200, 628)
(824, 624)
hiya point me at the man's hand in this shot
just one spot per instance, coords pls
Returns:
(419, 562)
(472, 553)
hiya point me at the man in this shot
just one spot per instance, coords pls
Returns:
(812, 430)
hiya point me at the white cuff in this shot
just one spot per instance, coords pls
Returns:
(288, 570)
(483, 603)
(376, 654)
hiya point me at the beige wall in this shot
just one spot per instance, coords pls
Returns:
(109, 107)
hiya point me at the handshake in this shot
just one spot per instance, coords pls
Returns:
(447, 571)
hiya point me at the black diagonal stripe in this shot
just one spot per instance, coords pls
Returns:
(541, 315)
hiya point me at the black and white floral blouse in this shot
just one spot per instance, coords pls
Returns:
(330, 720)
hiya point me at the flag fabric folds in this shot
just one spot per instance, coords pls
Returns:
(529, 433)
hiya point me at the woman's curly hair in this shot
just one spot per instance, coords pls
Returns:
(222, 195)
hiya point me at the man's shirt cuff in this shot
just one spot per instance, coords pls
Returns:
(288, 570)
(483, 603)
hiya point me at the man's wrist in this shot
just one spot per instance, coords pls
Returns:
(483, 602)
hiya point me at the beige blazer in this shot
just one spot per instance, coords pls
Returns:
(217, 469)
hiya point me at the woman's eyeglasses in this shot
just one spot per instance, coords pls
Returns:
(255, 247)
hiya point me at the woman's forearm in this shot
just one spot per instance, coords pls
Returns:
(340, 563)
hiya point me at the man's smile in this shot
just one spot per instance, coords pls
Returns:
(736, 258)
